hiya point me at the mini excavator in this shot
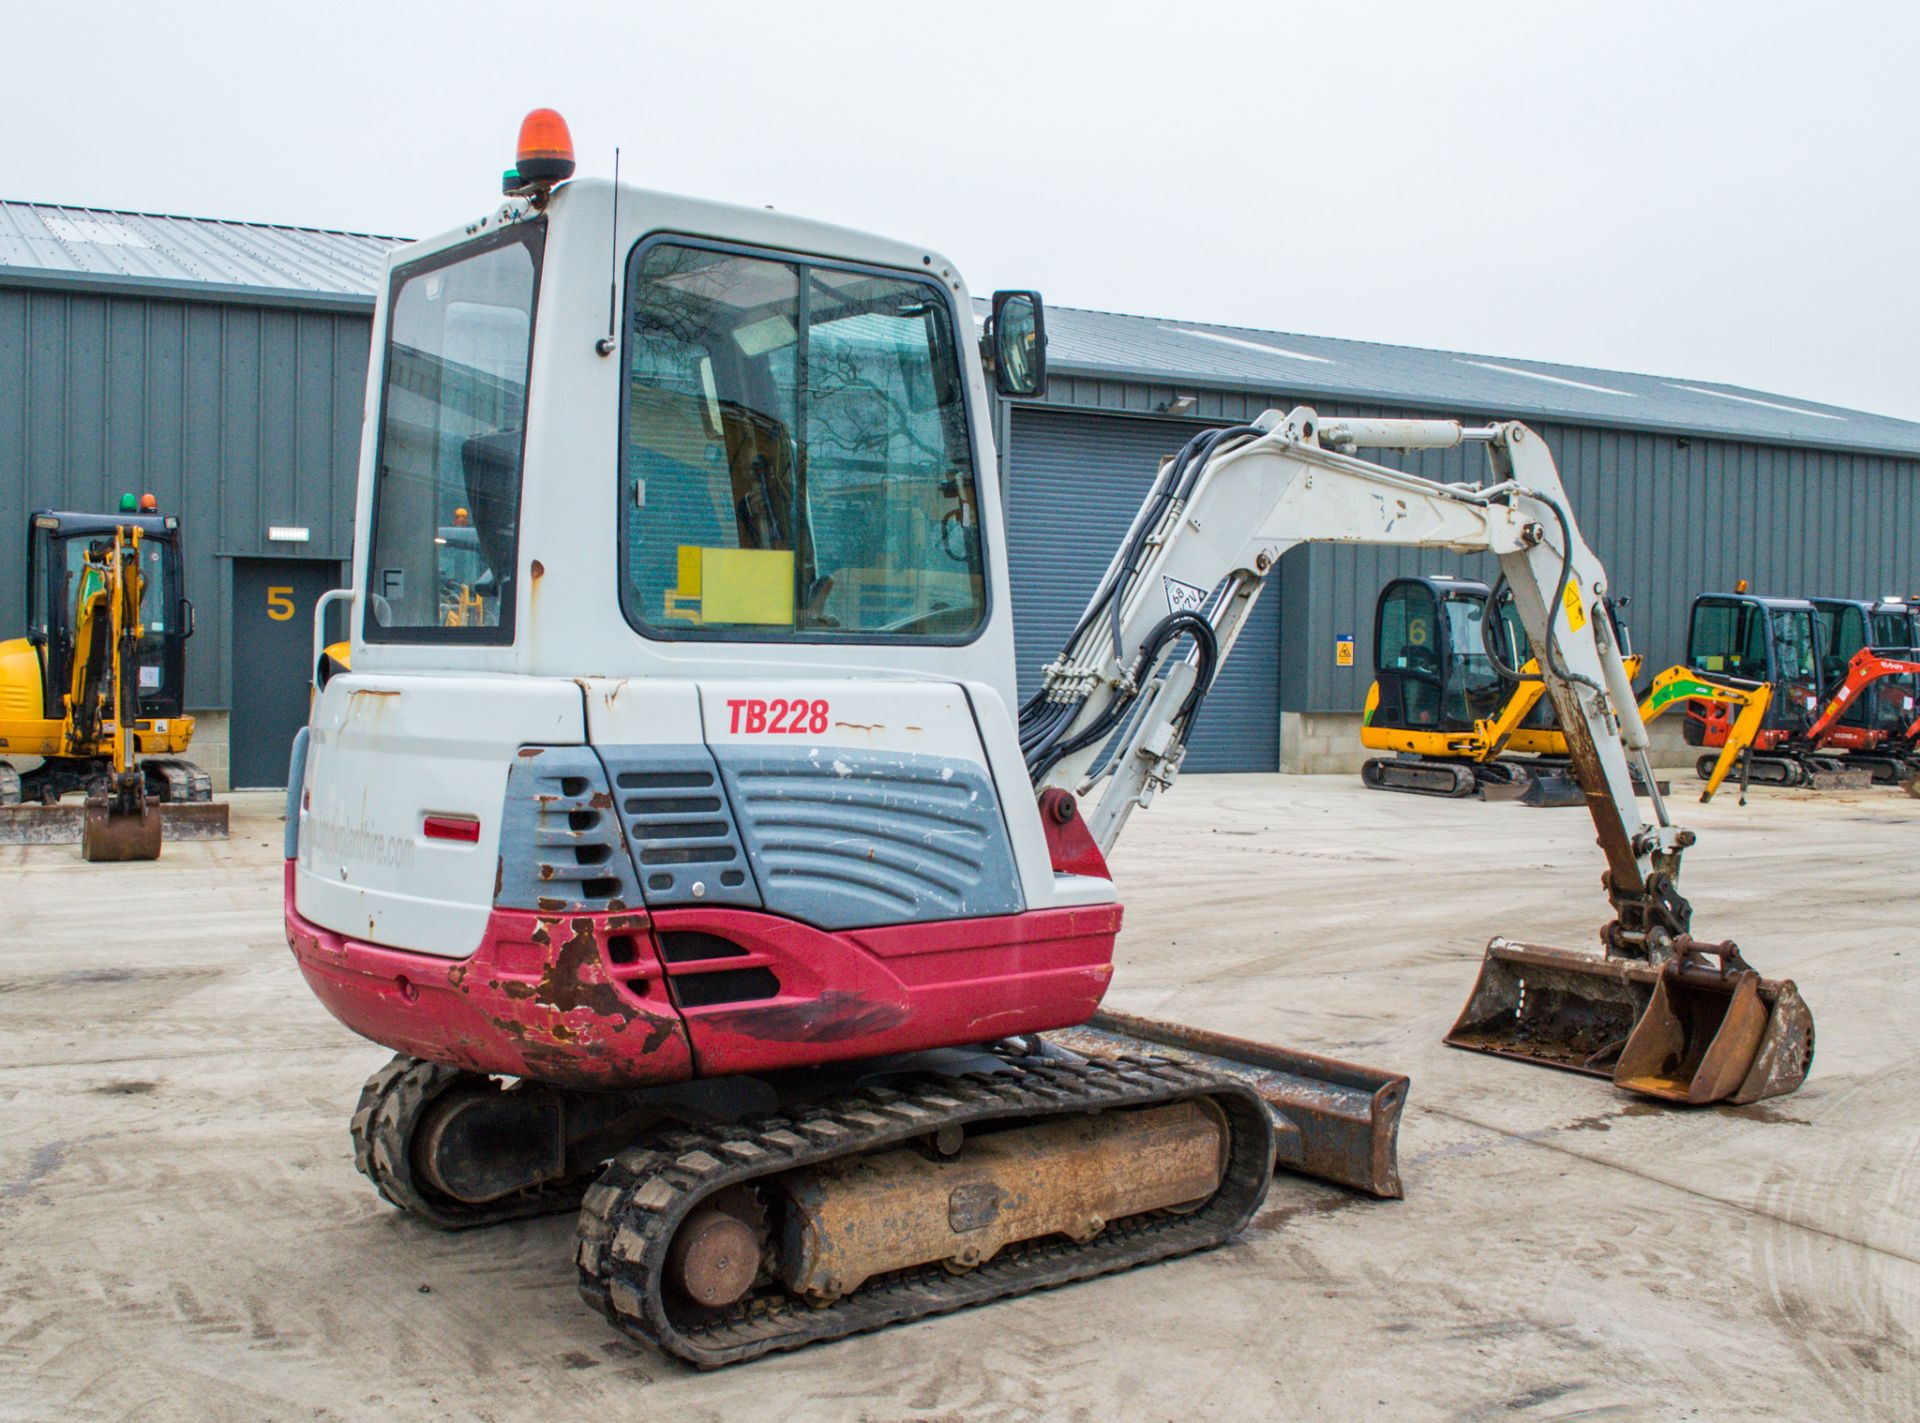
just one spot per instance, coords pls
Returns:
(708, 880)
(1840, 711)
(94, 691)
(1457, 696)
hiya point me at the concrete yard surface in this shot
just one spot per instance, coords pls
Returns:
(183, 1234)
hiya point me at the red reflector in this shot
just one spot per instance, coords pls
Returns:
(453, 827)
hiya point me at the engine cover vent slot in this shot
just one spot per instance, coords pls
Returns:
(562, 848)
(696, 946)
(679, 826)
(724, 985)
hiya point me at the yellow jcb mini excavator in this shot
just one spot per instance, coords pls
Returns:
(90, 698)
(1459, 700)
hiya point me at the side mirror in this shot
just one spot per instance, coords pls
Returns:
(1016, 338)
(186, 617)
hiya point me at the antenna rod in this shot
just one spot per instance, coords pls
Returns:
(605, 345)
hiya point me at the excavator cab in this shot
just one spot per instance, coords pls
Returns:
(1747, 640)
(1430, 657)
(1446, 699)
(63, 556)
(1845, 627)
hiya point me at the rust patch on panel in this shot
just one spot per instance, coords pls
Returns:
(832, 1017)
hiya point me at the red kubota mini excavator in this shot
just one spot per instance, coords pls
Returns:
(704, 876)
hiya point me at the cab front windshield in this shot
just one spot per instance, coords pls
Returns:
(797, 456)
(1731, 639)
(1474, 689)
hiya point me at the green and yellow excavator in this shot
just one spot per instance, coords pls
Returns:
(91, 698)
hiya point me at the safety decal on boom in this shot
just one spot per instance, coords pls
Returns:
(1576, 613)
(1183, 597)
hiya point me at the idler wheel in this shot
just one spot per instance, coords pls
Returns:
(715, 1257)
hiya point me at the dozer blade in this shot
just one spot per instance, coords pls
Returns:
(1331, 1119)
(1830, 773)
(1713, 1036)
(64, 824)
(194, 820)
(108, 835)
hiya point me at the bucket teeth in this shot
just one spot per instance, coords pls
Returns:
(1681, 1033)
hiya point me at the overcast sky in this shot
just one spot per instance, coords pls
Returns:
(1721, 191)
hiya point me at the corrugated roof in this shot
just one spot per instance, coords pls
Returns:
(50, 244)
(1105, 345)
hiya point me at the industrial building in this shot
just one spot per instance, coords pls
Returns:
(222, 366)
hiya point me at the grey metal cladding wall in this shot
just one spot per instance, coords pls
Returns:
(1074, 484)
(235, 416)
(1670, 521)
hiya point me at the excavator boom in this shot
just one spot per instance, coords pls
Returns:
(1222, 514)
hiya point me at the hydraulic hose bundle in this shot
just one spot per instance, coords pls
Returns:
(1046, 719)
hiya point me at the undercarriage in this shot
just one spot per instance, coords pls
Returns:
(1532, 780)
(1812, 771)
(724, 1219)
(34, 811)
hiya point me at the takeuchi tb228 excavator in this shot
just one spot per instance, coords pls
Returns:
(707, 877)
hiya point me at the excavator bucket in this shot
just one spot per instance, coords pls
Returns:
(1716, 1036)
(1553, 1007)
(1681, 1033)
(1331, 1119)
(110, 832)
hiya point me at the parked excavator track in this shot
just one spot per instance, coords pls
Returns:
(630, 1219)
(1417, 776)
(386, 1125)
(1821, 773)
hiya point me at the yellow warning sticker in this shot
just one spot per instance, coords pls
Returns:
(1576, 611)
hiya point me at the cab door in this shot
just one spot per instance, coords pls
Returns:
(1410, 658)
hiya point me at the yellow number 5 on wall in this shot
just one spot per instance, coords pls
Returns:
(280, 603)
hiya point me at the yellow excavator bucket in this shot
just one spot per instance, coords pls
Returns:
(1682, 1032)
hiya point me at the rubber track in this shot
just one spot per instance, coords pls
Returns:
(1447, 779)
(629, 1217)
(1767, 771)
(389, 1111)
(184, 782)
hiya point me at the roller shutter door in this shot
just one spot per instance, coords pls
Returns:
(1074, 483)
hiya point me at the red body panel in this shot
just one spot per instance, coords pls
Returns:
(582, 1000)
(538, 998)
(860, 992)
(1715, 720)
